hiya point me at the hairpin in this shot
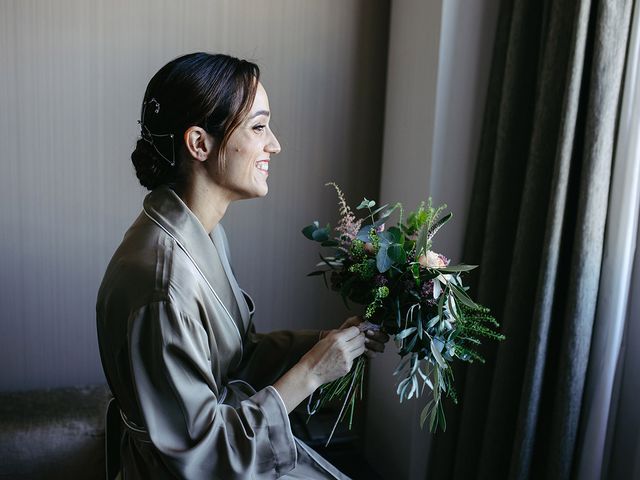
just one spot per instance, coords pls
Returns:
(148, 136)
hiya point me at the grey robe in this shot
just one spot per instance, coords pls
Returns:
(191, 376)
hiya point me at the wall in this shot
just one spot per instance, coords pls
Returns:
(439, 57)
(72, 79)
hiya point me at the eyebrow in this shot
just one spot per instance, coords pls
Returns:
(260, 112)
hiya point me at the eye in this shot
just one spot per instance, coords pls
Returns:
(259, 128)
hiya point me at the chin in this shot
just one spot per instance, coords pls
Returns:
(257, 192)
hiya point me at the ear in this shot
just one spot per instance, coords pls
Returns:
(199, 143)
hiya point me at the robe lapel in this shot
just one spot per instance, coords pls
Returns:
(216, 237)
(166, 209)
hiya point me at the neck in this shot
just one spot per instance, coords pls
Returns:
(207, 200)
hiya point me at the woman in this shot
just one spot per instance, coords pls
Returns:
(201, 395)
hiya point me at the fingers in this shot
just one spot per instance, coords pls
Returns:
(358, 351)
(348, 333)
(380, 337)
(374, 346)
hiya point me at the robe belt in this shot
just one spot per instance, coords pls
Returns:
(134, 430)
(142, 434)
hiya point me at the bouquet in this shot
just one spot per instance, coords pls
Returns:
(409, 291)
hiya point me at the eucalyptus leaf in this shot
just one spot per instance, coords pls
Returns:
(405, 333)
(364, 234)
(365, 204)
(386, 238)
(457, 268)
(463, 297)
(316, 273)
(379, 209)
(383, 262)
(425, 413)
(412, 343)
(432, 323)
(441, 306)
(437, 288)
(384, 216)
(309, 229)
(320, 235)
(437, 355)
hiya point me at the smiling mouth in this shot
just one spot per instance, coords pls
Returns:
(263, 166)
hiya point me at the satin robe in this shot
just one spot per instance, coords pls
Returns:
(191, 376)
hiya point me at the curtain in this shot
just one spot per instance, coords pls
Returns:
(536, 227)
(601, 395)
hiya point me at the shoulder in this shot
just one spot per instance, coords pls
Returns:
(147, 267)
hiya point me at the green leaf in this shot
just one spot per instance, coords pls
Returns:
(330, 243)
(397, 235)
(422, 243)
(327, 262)
(366, 204)
(316, 273)
(463, 297)
(385, 215)
(437, 355)
(438, 225)
(405, 333)
(320, 235)
(363, 233)
(412, 343)
(425, 413)
(383, 262)
(415, 270)
(379, 209)
(386, 238)
(309, 229)
(457, 268)
(397, 253)
(441, 418)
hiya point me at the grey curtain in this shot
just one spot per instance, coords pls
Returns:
(536, 227)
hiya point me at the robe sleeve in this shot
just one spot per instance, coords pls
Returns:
(196, 435)
(268, 356)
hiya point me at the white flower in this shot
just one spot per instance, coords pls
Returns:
(433, 260)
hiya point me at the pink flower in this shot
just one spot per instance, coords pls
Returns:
(433, 260)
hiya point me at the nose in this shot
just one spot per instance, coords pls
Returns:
(273, 146)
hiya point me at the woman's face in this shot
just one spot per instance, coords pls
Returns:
(249, 151)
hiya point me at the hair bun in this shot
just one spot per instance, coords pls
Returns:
(151, 169)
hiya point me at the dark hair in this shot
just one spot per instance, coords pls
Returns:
(213, 91)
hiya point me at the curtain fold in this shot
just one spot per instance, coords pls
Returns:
(536, 227)
(615, 278)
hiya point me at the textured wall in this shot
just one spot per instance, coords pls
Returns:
(72, 77)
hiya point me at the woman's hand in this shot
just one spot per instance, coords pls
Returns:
(333, 356)
(328, 360)
(375, 340)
